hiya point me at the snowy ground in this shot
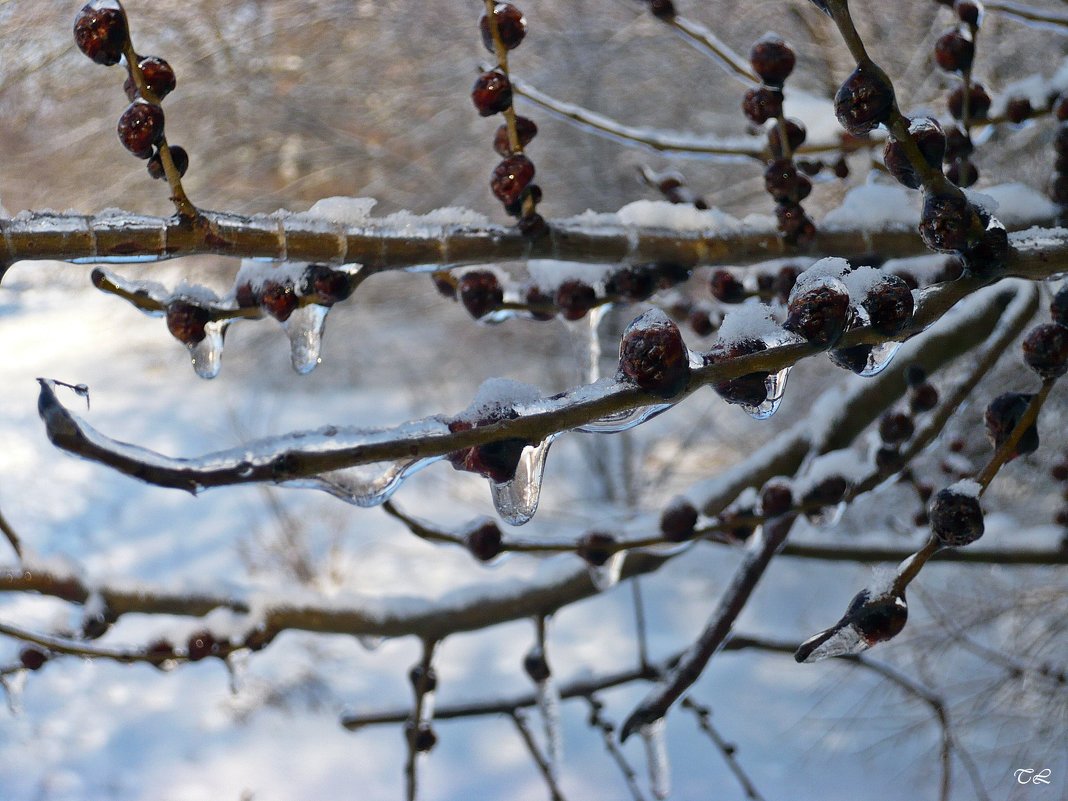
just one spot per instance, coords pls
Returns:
(102, 731)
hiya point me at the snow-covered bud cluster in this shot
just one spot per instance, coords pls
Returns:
(503, 28)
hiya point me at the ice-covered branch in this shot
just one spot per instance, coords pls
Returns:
(1028, 14)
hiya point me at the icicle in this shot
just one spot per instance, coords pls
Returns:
(625, 420)
(606, 576)
(365, 485)
(548, 695)
(206, 355)
(585, 334)
(839, 641)
(305, 330)
(237, 667)
(369, 641)
(13, 685)
(776, 386)
(517, 500)
(652, 735)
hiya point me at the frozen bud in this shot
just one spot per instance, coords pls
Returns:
(32, 658)
(762, 104)
(772, 59)
(423, 680)
(484, 542)
(819, 314)
(726, 288)
(948, 223)
(978, 102)
(889, 305)
(596, 548)
(201, 645)
(186, 321)
(480, 292)
(776, 498)
(930, 139)
(1002, 416)
(159, 78)
(420, 736)
(678, 520)
(574, 299)
(784, 184)
(492, 93)
(511, 27)
(178, 156)
(828, 492)
(748, 390)
(278, 299)
(653, 355)
(922, 398)
(330, 286)
(878, 619)
(526, 130)
(954, 51)
(795, 137)
(864, 101)
(956, 517)
(1018, 109)
(536, 666)
(100, 31)
(1045, 350)
(511, 177)
(140, 128)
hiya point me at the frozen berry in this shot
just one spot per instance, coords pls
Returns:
(511, 177)
(32, 658)
(596, 548)
(201, 645)
(141, 128)
(1018, 109)
(772, 59)
(525, 129)
(962, 172)
(948, 223)
(100, 31)
(701, 322)
(783, 183)
(864, 101)
(678, 520)
(484, 542)
(929, 137)
(653, 355)
(574, 299)
(889, 304)
(970, 12)
(726, 288)
(329, 286)
(278, 299)
(245, 296)
(632, 283)
(421, 736)
(492, 93)
(1045, 350)
(480, 292)
(879, 619)
(978, 102)
(954, 51)
(158, 75)
(496, 461)
(828, 492)
(762, 104)
(819, 314)
(747, 390)
(511, 27)
(1002, 416)
(776, 498)
(958, 144)
(1058, 307)
(515, 208)
(178, 156)
(423, 680)
(923, 398)
(536, 666)
(895, 428)
(795, 137)
(186, 321)
(795, 225)
(956, 517)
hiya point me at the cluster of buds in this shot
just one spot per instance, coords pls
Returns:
(503, 28)
(954, 52)
(102, 33)
(773, 60)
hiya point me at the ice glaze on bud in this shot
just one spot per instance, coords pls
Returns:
(186, 321)
(100, 31)
(140, 128)
(596, 548)
(492, 93)
(278, 299)
(511, 177)
(511, 27)
(929, 138)
(1002, 416)
(978, 102)
(1045, 350)
(747, 390)
(819, 314)
(480, 292)
(864, 101)
(159, 77)
(726, 288)
(954, 51)
(762, 104)
(574, 299)
(653, 355)
(889, 305)
(178, 156)
(956, 517)
(948, 223)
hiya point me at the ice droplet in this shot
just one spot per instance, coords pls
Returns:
(369, 641)
(606, 576)
(206, 355)
(14, 684)
(517, 500)
(367, 484)
(652, 735)
(305, 331)
(880, 357)
(625, 420)
(237, 667)
(838, 641)
(586, 337)
(776, 386)
(548, 697)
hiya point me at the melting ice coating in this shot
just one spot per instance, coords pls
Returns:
(547, 693)
(606, 576)
(652, 735)
(516, 500)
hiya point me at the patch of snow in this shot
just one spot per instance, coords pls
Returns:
(875, 207)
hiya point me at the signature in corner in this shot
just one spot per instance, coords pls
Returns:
(1031, 776)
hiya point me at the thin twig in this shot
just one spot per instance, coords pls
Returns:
(606, 729)
(11, 535)
(1028, 14)
(415, 722)
(704, 722)
(544, 768)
